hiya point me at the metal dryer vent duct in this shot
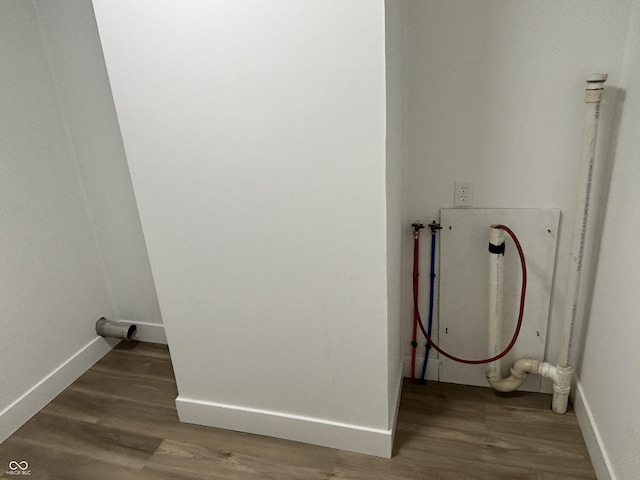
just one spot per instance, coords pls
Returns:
(110, 328)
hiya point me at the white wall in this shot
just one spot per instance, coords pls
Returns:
(70, 251)
(255, 134)
(609, 390)
(396, 49)
(52, 282)
(495, 93)
(77, 65)
(496, 98)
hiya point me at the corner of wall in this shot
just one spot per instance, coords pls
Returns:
(49, 387)
(591, 434)
(148, 332)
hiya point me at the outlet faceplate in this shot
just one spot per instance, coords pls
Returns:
(463, 194)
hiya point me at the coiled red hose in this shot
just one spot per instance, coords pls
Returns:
(523, 292)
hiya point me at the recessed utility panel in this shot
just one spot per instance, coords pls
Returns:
(464, 270)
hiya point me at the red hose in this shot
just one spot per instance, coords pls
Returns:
(416, 313)
(523, 291)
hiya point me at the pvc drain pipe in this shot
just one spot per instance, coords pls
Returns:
(496, 281)
(109, 328)
(593, 97)
(561, 374)
(563, 371)
(523, 367)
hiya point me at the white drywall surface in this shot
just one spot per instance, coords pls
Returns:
(51, 277)
(255, 134)
(71, 247)
(72, 41)
(608, 370)
(496, 93)
(396, 45)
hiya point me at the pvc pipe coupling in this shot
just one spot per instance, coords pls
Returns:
(110, 328)
(497, 238)
(595, 85)
(561, 389)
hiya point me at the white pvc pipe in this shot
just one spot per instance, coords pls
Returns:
(519, 372)
(522, 367)
(593, 96)
(560, 374)
(496, 281)
(561, 377)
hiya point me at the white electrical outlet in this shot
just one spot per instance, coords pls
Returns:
(463, 194)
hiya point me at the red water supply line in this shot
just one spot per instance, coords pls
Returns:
(416, 313)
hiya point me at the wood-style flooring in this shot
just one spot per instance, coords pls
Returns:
(118, 421)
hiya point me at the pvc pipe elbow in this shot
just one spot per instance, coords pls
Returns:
(519, 372)
(524, 366)
(508, 384)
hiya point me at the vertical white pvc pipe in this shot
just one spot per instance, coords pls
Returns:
(496, 281)
(564, 370)
(593, 96)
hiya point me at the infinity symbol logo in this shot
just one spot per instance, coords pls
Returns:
(13, 465)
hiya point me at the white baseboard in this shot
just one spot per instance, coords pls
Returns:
(394, 408)
(592, 438)
(148, 332)
(38, 396)
(315, 431)
(432, 372)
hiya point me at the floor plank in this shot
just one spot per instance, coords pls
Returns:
(200, 461)
(95, 441)
(118, 421)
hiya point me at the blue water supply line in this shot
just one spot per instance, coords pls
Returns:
(432, 276)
